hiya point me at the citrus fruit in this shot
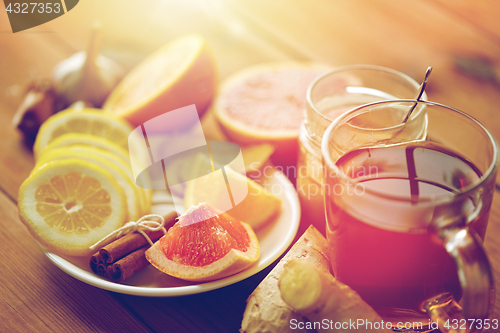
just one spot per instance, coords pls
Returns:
(255, 156)
(76, 139)
(215, 247)
(69, 205)
(145, 185)
(135, 161)
(87, 121)
(265, 104)
(211, 127)
(179, 74)
(85, 149)
(178, 171)
(131, 192)
(74, 151)
(257, 208)
(185, 168)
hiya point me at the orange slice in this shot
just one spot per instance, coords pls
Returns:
(179, 74)
(265, 104)
(212, 249)
(255, 156)
(209, 189)
(69, 205)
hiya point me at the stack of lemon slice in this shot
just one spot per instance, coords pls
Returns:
(82, 186)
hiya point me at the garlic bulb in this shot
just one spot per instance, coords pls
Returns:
(87, 76)
(38, 105)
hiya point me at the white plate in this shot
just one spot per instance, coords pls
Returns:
(274, 240)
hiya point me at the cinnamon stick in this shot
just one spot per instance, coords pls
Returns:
(123, 257)
(128, 265)
(121, 247)
(101, 269)
(95, 264)
(131, 242)
(95, 260)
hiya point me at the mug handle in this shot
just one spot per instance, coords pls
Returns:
(476, 280)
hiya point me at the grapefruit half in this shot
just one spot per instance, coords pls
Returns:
(215, 247)
(265, 104)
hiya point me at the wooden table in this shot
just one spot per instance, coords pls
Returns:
(408, 36)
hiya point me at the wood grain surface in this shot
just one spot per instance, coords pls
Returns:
(406, 36)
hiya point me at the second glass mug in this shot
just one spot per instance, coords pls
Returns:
(406, 218)
(330, 95)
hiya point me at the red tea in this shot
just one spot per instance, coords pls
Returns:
(381, 221)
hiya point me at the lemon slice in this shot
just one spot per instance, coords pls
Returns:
(69, 205)
(145, 191)
(93, 123)
(257, 208)
(87, 121)
(179, 74)
(73, 139)
(131, 191)
(145, 194)
(78, 142)
(138, 160)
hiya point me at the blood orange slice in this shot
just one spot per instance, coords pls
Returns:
(215, 247)
(265, 104)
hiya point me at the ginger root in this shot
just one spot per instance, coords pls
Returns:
(329, 305)
(266, 311)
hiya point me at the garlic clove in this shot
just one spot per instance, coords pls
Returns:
(81, 106)
(87, 75)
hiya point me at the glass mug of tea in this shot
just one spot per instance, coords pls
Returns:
(330, 95)
(406, 218)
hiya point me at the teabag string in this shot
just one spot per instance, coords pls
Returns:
(410, 160)
(144, 223)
